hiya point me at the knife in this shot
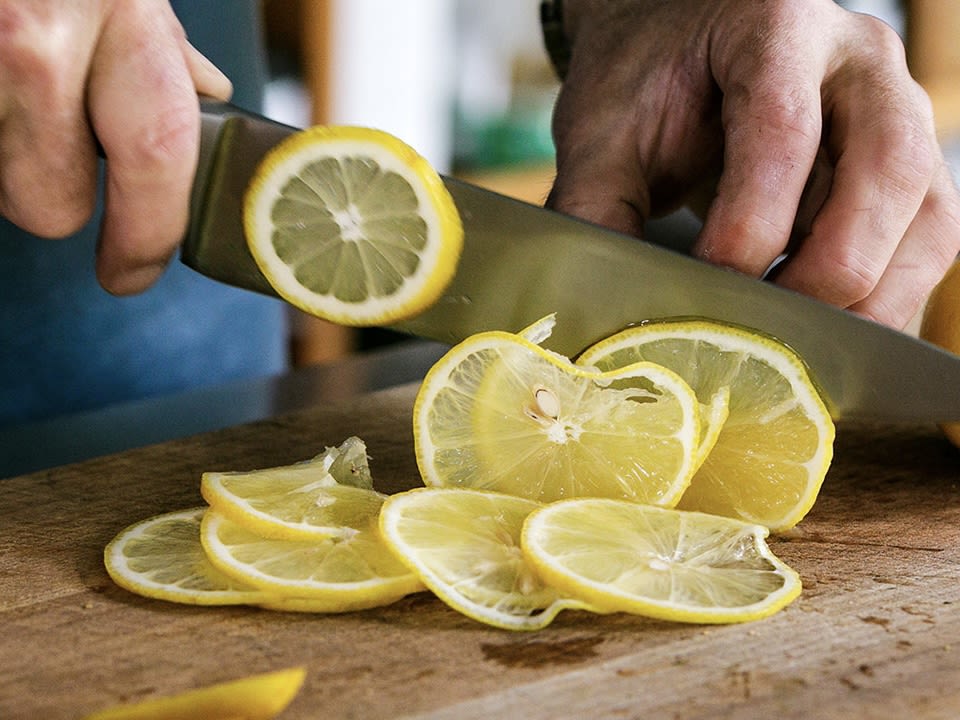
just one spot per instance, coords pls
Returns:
(521, 262)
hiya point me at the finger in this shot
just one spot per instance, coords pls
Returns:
(599, 178)
(47, 156)
(144, 110)
(602, 191)
(885, 161)
(929, 247)
(207, 77)
(772, 124)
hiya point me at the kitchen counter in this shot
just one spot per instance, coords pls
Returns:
(875, 633)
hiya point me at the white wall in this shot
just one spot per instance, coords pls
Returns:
(394, 70)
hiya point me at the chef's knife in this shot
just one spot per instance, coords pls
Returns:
(521, 262)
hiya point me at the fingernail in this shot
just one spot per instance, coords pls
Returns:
(132, 281)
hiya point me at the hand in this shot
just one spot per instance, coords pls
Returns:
(823, 144)
(118, 72)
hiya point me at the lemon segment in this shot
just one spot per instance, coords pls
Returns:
(308, 500)
(465, 547)
(258, 697)
(776, 444)
(940, 325)
(162, 558)
(500, 413)
(352, 225)
(338, 574)
(657, 562)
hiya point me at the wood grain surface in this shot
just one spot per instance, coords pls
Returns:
(875, 634)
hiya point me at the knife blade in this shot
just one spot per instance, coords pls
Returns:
(521, 262)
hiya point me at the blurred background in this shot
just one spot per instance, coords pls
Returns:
(468, 84)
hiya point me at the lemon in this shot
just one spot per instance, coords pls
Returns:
(336, 574)
(162, 558)
(258, 697)
(307, 500)
(500, 413)
(352, 225)
(941, 326)
(713, 415)
(465, 546)
(664, 563)
(776, 444)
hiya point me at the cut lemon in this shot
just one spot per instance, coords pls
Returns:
(307, 500)
(352, 225)
(776, 444)
(500, 413)
(465, 546)
(339, 574)
(162, 558)
(941, 326)
(663, 563)
(258, 697)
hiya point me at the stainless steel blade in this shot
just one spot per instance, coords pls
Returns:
(521, 262)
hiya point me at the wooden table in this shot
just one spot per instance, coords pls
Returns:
(875, 634)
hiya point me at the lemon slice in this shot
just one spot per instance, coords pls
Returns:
(713, 415)
(258, 697)
(776, 444)
(941, 326)
(162, 558)
(307, 500)
(338, 574)
(664, 563)
(352, 225)
(500, 413)
(465, 547)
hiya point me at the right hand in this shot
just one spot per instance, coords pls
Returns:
(121, 73)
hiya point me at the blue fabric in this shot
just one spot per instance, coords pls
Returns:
(68, 345)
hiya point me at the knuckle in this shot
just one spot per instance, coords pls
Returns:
(44, 209)
(170, 137)
(881, 40)
(907, 170)
(854, 275)
(31, 51)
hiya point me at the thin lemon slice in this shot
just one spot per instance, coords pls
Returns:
(307, 500)
(776, 444)
(500, 413)
(713, 415)
(663, 563)
(258, 697)
(339, 574)
(465, 546)
(162, 558)
(352, 225)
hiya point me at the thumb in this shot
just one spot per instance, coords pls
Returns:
(602, 185)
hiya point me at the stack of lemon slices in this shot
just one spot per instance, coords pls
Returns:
(301, 537)
(643, 477)
(551, 485)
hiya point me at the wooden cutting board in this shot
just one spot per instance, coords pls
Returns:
(875, 634)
